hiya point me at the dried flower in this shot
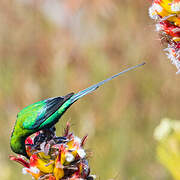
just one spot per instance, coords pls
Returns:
(167, 15)
(55, 158)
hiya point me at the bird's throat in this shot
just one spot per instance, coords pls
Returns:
(18, 144)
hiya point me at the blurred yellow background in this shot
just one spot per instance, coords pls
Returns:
(53, 47)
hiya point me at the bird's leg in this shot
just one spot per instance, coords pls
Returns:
(53, 130)
(49, 132)
(60, 140)
(48, 137)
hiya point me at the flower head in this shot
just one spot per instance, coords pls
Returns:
(55, 158)
(167, 15)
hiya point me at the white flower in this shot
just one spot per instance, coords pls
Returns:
(153, 11)
(175, 7)
(81, 153)
(163, 129)
(69, 157)
(157, 7)
(77, 140)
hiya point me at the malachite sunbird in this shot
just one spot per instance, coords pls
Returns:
(45, 114)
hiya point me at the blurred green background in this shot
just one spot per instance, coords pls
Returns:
(53, 47)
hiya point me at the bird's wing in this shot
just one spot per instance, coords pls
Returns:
(35, 114)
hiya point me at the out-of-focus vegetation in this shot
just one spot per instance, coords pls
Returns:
(168, 149)
(52, 47)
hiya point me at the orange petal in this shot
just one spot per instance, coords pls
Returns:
(35, 175)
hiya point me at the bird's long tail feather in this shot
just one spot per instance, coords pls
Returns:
(95, 86)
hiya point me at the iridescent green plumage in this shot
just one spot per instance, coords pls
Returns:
(45, 114)
(37, 116)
